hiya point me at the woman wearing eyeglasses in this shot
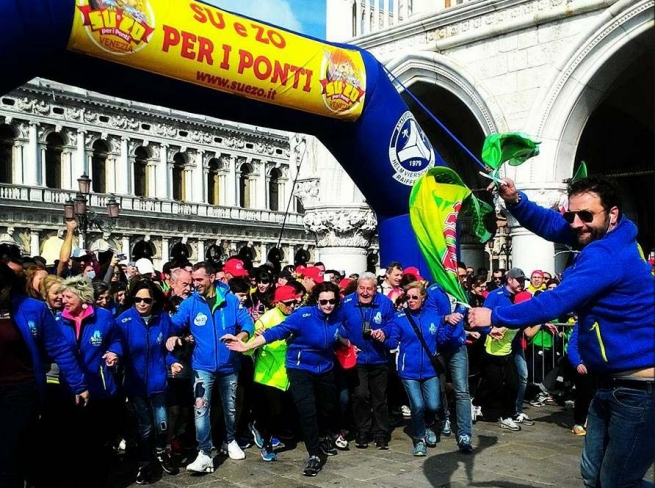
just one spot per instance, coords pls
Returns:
(270, 376)
(415, 369)
(145, 327)
(309, 362)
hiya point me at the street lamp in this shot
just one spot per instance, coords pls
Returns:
(506, 249)
(78, 209)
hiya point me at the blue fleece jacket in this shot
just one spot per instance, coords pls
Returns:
(413, 362)
(145, 356)
(378, 314)
(208, 326)
(314, 338)
(610, 286)
(439, 301)
(98, 335)
(43, 337)
(572, 350)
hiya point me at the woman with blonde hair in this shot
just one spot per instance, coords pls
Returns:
(50, 293)
(92, 334)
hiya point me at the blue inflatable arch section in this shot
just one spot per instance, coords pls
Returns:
(383, 143)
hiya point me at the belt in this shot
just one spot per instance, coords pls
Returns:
(609, 382)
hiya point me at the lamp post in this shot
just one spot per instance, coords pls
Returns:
(78, 209)
(506, 249)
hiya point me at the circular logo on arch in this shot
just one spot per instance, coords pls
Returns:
(118, 26)
(410, 151)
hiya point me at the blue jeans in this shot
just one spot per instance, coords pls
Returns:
(619, 446)
(522, 378)
(458, 365)
(151, 414)
(203, 386)
(424, 402)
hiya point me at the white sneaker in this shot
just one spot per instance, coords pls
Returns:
(522, 418)
(234, 451)
(407, 413)
(509, 424)
(202, 464)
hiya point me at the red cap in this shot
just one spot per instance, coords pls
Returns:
(412, 270)
(300, 268)
(343, 284)
(314, 273)
(235, 268)
(286, 293)
(537, 272)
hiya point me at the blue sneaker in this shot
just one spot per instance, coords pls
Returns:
(277, 443)
(268, 455)
(445, 428)
(420, 449)
(257, 437)
(464, 444)
(431, 438)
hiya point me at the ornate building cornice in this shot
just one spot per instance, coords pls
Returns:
(341, 227)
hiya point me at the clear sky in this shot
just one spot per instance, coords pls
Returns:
(305, 16)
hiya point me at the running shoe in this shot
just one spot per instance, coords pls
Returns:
(313, 466)
(522, 418)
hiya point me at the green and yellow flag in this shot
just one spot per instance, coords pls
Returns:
(435, 202)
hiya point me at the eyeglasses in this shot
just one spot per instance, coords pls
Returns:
(147, 301)
(263, 282)
(331, 301)
(413, 297)
(290, 304)
(585, 215)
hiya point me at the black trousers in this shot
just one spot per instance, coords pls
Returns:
(501, 385)
(315, 396)
(18, 416)
(370, 409)
(267, 408)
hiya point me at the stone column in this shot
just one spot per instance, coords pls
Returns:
(35, 244)
(164, 250)
(231, 186)
(32, 160)
(80, 161)
(125, 247)
(201, 250)
(197, 180)
(123, 169)
(530, 252)
(161, 179)
(343, 235)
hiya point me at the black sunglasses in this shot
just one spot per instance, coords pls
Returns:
(585, 215)
(147, 301)
(331, 301)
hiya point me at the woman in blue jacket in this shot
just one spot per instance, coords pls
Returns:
(315, 333)
(145, 327)
(92, 334)
(28, 333)
(415, 368)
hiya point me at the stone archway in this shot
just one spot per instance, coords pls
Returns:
(620, 36)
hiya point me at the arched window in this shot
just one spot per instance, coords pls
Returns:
(274, 190)
(179, 185)
(98, 166)
(53, 150)
(213, 182)
(244, 185)
(7, 136)
(140, 172)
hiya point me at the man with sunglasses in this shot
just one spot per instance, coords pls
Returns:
(610, 287)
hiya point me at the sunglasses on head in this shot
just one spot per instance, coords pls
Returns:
(584, 215)
(147, 301)
(331, 301)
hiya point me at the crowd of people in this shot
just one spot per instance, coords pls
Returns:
(98, 358)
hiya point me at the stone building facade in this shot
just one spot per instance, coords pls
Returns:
(185, 183)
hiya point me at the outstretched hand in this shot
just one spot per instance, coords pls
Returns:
(233, 343)
(479, 317)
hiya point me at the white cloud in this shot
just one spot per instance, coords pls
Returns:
(277, 12)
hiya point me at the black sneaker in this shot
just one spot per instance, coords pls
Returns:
(313, 466)
(361, 442)
(381, 444)
(167, 463)
(144, 475)
(327, 447)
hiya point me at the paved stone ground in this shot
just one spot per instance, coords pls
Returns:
(546, 454)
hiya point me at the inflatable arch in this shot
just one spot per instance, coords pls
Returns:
(195, 57)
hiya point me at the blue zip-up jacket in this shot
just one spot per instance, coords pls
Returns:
(610, 286)
(379, 315)
(145, 356)
(315, 336)
(413, 362)
(208, 326)
(572, 348)
(439, 301)
(44, 339)
(98, 335)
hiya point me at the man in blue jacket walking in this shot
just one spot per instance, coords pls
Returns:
(365, 311)
(611, 288)
(210, 313)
